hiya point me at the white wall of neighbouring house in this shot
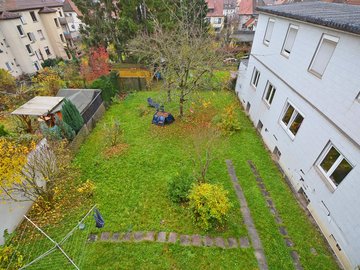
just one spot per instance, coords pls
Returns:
(12, 212)
(330, 106)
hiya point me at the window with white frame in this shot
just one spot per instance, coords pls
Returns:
(269, 30)
(255, 77)
(20, 30)
(269, 93)
(47, 50)
(5, 42)
(291, 120)
(218, 20)
(37, 66)
(56, 22)
(41, 35)
(29, 49)
(8, 66)
(33, 16)
(22, 19)
(323, 54)
(289, 40)
(62, 38)
(31, 36)
(334, 165)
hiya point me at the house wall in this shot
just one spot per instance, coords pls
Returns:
(12, 212)
(214, 22)
(17, 50)
(6, 56)
(54, 32)
(330, 111)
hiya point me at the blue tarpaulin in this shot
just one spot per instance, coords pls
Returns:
(98, 219)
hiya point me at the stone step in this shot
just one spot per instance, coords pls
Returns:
(195, 240)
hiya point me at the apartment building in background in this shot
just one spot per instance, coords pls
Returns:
(30, 32)
(71, 23)
(215, 14)
(301, 89)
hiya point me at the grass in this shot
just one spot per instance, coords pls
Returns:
(131, 192)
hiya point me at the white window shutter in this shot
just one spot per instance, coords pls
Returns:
(323, 56)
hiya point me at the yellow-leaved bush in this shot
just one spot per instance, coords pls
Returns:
(87, 188)
(13, 157)
(210, 205)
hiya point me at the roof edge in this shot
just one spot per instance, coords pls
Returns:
(337, 26)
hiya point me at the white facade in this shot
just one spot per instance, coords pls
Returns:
(217, 23)
(286, 55)
(31, 38)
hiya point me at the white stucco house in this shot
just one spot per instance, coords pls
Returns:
(301, 89)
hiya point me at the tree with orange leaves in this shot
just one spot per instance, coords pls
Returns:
(95, 65)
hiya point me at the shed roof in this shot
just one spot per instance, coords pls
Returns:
(334, 15)
(81, 98)
(38, 106)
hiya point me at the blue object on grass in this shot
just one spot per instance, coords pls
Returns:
(98, 219)
(162, 118)
(152, 103)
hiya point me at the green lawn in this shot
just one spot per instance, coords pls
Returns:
(131, 192)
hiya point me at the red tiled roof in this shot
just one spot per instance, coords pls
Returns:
(217, 6)
(18, 5)
(69, 6)
(246, 7)
(250, 22)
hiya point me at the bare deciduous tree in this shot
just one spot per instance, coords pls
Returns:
(39, 176)
(184, 54)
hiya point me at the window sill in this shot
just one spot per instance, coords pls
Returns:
(266, 103)
(318, 75)
(285, 54)
(253, 86)
(330, 187)
(42, 38)
(31, 54)
(266, 43)
(287, 131)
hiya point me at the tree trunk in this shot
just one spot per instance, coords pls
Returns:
(181, 105)
(168, 95)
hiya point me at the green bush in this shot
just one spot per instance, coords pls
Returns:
(65, 130)
(53, 133)
(72, 116)
(179, 187)
(51, 62)
(210, 205)
(3, 132)
(228, 122)
(10, 257)
(109, 86)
